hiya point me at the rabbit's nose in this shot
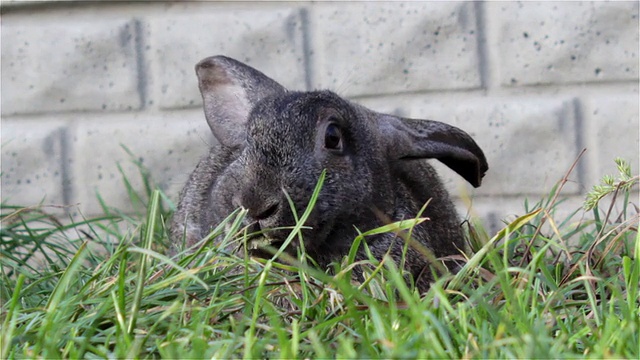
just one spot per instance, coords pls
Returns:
(265, 212)
(260, 208)
(263, 217)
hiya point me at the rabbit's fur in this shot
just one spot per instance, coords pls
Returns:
(272, 141)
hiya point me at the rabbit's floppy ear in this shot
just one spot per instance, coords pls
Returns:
(229, 91)
(415, 139)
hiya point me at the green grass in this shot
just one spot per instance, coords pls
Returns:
(542, 287)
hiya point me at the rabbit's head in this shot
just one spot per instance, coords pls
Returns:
(283, 140)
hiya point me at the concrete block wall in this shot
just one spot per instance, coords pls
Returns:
(533, 82)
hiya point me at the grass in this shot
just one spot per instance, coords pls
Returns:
(542, 287)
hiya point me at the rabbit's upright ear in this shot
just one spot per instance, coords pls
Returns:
(414, 139)
(229, 90)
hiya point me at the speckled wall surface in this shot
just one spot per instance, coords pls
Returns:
(533, 82)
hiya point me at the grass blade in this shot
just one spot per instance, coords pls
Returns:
(149, 233)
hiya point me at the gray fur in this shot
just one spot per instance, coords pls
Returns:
(271, 139)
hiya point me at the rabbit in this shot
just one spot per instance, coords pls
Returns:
(273, 141)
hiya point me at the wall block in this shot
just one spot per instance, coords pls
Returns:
(57, 66)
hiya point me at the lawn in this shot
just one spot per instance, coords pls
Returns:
(545, 286)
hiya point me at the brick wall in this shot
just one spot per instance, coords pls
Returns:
(534, 83)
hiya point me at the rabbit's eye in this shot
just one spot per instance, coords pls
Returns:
(333, 137)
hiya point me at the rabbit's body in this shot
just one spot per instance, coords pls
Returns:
(272, 142)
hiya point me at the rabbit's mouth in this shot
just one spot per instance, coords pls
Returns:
(259, 246)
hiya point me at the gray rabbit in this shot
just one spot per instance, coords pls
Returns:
(272, 140)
